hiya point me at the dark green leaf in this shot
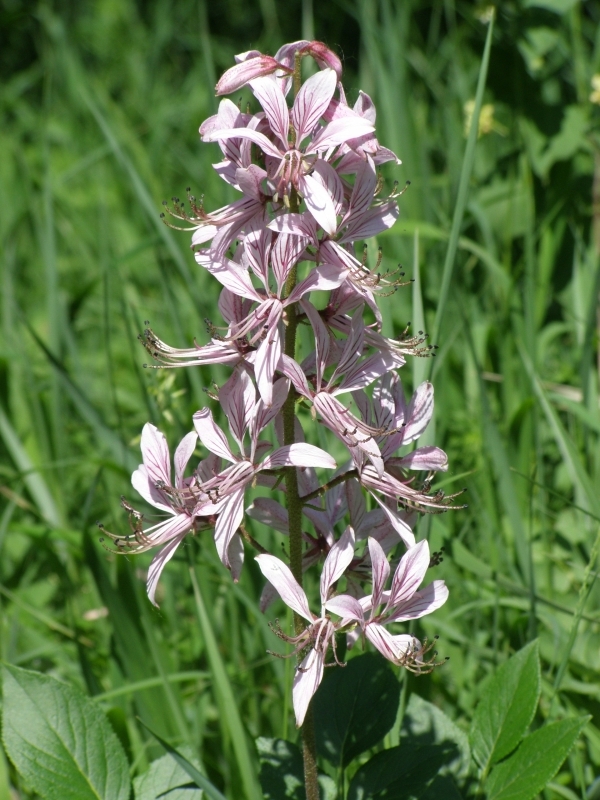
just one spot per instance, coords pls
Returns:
(400, 773)
(60, 741)
(424, 723)
(536, 761)
(200, 780)
(282, 772)
(355, 707)
(506, 707)
(167, 780)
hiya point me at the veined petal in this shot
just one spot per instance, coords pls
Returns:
(339, 131)
(346, 607)
(401, 527)
(311, 102)
(371, 222)
(266, 145)
(381, 570)
(182, 456)
(176, 531)
(296, 224)
(364, 373)
(239, 75)
(429, 458)
(394, 648)
(238, 398)
(228, 273)
(294, 372)
(299, 454)
(306, 682)
(319, 202)
(285, 254)
(325, 173)
(267, 359)
(228, 521)
(268, 93)
(422, 602)
(409, 574)
(420, 411)
(338, 559)
(288, 588)
(155, 454)
(270, 513)
(211, 436)
(322, 339)
(147, 489)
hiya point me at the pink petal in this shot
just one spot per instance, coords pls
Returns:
(346, 607)
(288, 588)
(401, 527)
(239, 75)
(323, 341)
(394, 648)
(419, 413)
(311, 102)
(238, 398)
(258, 138)
(299, 455)
(294, 372)
(306, 682)
(423, 602)
(381, 570)
(297, 224)
(211, 436)
(367, 371)
(182, 456)
(429, 458)
(372, 222)
(338, 132)
(155, 454)
(176, 532)
(269, 95)
(267, 360)
(319, 202)
(263, 413)
(338, 559)
(286, 253)
(235, 555)
(270, 513)
(324, 57)
(230, 274)
(147, 489)
(228, 521)
(409, 574)
(326, 174)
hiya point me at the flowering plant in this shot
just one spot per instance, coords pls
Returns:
(310, 191)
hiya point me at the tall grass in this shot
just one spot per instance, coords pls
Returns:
(100, 110)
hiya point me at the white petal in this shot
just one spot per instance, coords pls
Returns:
(288, 588)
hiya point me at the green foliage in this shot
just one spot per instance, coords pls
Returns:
(343, 707)
(100, 107)
(59, 740)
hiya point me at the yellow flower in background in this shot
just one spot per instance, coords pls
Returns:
(487, 123)
(595, 95)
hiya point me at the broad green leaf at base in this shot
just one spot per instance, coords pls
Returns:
(60, 741)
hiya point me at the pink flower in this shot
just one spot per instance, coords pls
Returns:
(320, 632)
(224, 493)
(401, 603)
(152, 480)
(289, 165)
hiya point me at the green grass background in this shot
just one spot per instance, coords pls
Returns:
(100, 105)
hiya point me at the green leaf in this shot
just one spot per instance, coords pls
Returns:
(506, 708)
(282, 772)
(424, 723)
(60, 741)
(197, 777)
(400, 773)
(167, 780)
(536, 761)
(355, 707)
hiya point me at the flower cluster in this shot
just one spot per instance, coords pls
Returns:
(307, 174)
